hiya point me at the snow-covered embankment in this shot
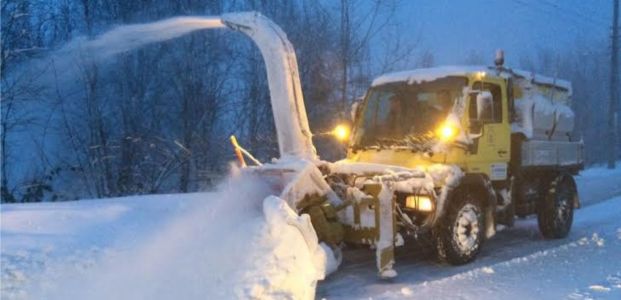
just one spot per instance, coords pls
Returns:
(207, 245)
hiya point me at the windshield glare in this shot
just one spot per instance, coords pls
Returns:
(401, 112)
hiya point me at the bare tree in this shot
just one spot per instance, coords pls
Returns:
(18, 90)
(359, 24)
(425, 60)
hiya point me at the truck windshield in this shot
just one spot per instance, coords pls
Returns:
(402, 113)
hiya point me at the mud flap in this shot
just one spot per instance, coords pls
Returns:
(490, 210)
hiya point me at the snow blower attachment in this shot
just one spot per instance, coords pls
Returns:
(292, 129)
(298, 177)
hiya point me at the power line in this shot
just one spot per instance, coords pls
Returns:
(575, 13)
(586, 11)
(566, 14)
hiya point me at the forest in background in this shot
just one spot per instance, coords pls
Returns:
(157, 119)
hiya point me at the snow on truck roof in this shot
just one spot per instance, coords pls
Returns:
(427, 74)
(430, 74)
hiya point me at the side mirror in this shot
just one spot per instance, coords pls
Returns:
(476, 127)
(485, 106)
(481, 110)
(355, 109)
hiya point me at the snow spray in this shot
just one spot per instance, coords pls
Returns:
(119, 40)
(128, 37)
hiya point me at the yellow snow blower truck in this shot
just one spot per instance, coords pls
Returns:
(447, 152)
(461, 149)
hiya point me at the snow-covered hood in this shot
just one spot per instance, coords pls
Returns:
(392, 158)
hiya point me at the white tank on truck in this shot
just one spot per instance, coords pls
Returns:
(542, 114)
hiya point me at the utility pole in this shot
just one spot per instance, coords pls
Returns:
(614, 88)
(345, 52)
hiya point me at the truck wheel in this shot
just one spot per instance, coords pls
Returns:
(555, 213)
(460, 234)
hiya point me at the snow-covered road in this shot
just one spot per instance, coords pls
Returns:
(46, 244)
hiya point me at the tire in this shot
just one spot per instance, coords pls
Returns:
(555, 213)
(461, 231)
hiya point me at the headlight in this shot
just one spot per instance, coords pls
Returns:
(419, 202)
(341, 132)
(447, 132)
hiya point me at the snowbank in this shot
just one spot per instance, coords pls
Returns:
(217, 246)
(290, 260)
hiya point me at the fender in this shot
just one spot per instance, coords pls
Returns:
(483, 185)
(570, 179)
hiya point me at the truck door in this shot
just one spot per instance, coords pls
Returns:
(488, 115)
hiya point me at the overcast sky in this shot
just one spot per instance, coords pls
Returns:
(452, 28)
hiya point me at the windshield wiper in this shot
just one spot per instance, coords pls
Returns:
(416, 143)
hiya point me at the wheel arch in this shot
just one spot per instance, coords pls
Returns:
(569, 179)
(481, 185)
(555, 219)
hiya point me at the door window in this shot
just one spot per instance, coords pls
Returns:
(496, 111)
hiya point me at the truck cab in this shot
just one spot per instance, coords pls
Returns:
(402, 121)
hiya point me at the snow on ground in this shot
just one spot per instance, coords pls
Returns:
(194, 245)
(205, 245)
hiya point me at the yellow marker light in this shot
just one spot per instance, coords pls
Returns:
(446, 132)
(410, 202)
(341, 132)
(419, 202)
